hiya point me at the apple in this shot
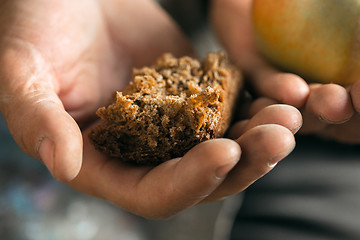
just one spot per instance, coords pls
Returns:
(316, 39)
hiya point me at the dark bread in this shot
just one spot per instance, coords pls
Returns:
(169, 108)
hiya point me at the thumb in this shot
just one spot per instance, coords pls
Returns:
(34, 113)
(43, 129)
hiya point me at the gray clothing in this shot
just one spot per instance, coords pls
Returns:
(313, 194)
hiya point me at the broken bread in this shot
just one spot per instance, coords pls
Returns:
(169, 108)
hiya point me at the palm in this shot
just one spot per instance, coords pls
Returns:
(86, 48)
(87, 64)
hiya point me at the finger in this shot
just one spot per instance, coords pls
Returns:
(43, 130)
(163, 191)
(35, 115)
(355, 95)
(344, 133)
(311, 122)
(262, 148)
(260, 104)
(283, 87)
(280, 114)
(331, 103)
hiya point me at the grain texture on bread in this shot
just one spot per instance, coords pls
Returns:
(168, 108)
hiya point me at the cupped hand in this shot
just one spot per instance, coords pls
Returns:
(329, 110)
(60, 60)
(210, 171)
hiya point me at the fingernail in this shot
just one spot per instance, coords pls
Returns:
(222, 171)
(296, 129)
(322, 118)
(46, 152)
(272, 163)
(274, 160)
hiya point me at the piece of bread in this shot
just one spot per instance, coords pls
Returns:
(169, 108)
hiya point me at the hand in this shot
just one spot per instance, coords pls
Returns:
(60, 60)
(210, 171)
(331, 112)
(328, 109)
